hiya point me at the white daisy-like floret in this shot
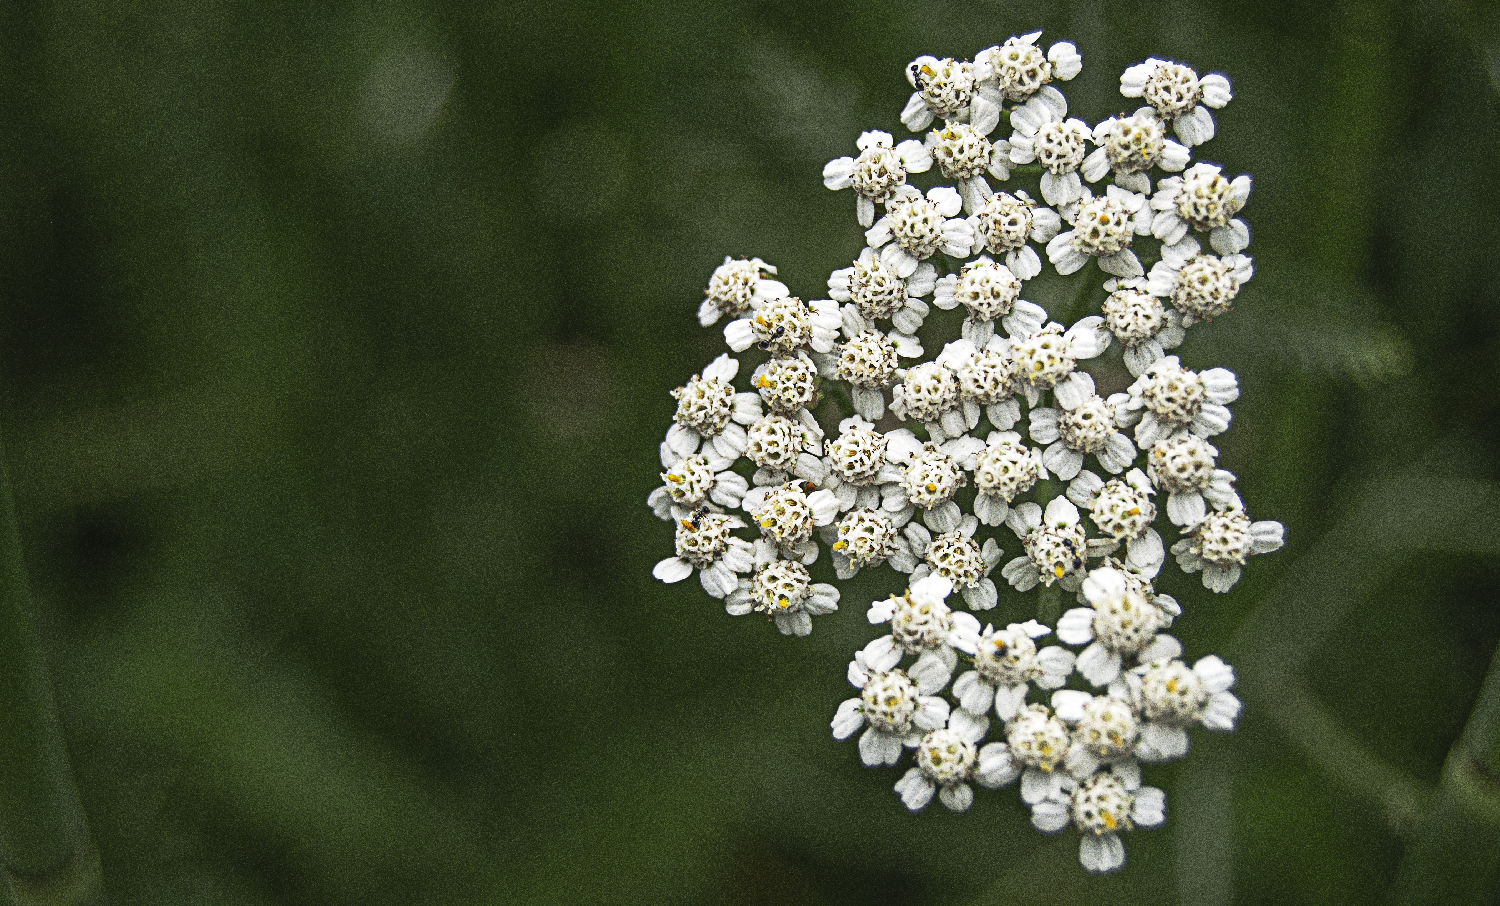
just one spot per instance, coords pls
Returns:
(878, 171)
(1036, 743)
(857, 464)
(988, 291)
(946, 760)
(1219, 544)
(1168, 398)
(787, 516)
(704, 544)
(1059, 145)
(916, 227)
(877, 291)
(1055, 544)
(787, 383)
(784, 324)
(920, 620)
(1102, 806)
(711, 414)
(896, 706)
(1178, 96)
(1005, 222)
(1123, 510)
(1170, 697)
(932, 476)
(1136, 317)
(945, 89)
(866, 537)
(1200, 286)
(964, 155)
(1004, 470)
(1106, 729)
(1122, 622)
(1083, 423)
(1046, 357)
(1016, 70)
(1202, 199)
(784, 592)
(956, 556)
(1006, 662)
(783, 447)
(1103, 227)
(927, 393)
(694, 481)
(987, 375)
(1129, 146)
(734, 285)
(1183, 466)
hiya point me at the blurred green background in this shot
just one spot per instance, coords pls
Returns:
(336, 347)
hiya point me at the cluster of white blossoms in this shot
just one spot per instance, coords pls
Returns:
(1009, 436)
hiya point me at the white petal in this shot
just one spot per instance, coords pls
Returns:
(915, 790)
(1101, 854)
(672, 569)
(847, 719)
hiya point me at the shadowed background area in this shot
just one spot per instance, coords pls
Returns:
(336, 347)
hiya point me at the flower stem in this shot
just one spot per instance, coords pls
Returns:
(1455, 855)
(48, 855)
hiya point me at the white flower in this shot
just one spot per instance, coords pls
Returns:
(964, 155)
(878, 291)
(1004, 223)
(1123, 510)
(1183, 466)
(920, 621)
(1046, 357)
(1036, 743)
(955, 556)
(897, 706)
(787, 383)
(988, 376)
(1006, 661)
(1005, 469)
(877, 172)
(704, 543)
(1106, 729)
(1178, 96)
(1170, 697)
(1082, 424)
(856, 462)
(1101, 807)
(1200, 286)
(932, 476)
(1219, 544)
(916, 227)
(785, 324)
(1129, 146)
(945, 89)
(1041, 134)
(1168, 398)
(927, 393)
(1056, 548)
(1204, 200)
(866, 537)
(1122, 621)
(1103, 228)
(1016, 69)
(733, 286)
(787, 516)
(693, 481)
(782, 447)
(946, 759)
(987, 291)
(784, 592)
(709, 412)
(1144, 326)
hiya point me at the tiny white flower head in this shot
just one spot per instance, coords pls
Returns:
(1102, 807)
(1219, 544)
(1168, 398)
(783, 591)
(946, 759)
(1005, 223)
(1123, 621)
(897, 706)
(1183, 466)
(1178, 96)
(1202, 199)
(1055, 544)
(1103, 227)
(1171, 697)
(1140, 322)
(916, 227)
(704, 544)
(695, 481)
(734, 285)
(879, 170)
(1006, 662)
(1200, 286)
(944, 89)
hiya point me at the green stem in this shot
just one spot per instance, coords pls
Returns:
(48, 855)
(1085, 289)
(1456, 853)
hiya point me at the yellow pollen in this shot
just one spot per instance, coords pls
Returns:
(767, 523)
(1109, 820)
(687, 524)
(1057, 571)
(892, 701)
(928, 70)
(931, 488)
(677, 479)
(1172, 684)
(784, 602)
(840, 545)
(761, 320)
(1135, 511)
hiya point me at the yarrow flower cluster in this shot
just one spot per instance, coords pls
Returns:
(844, 432)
